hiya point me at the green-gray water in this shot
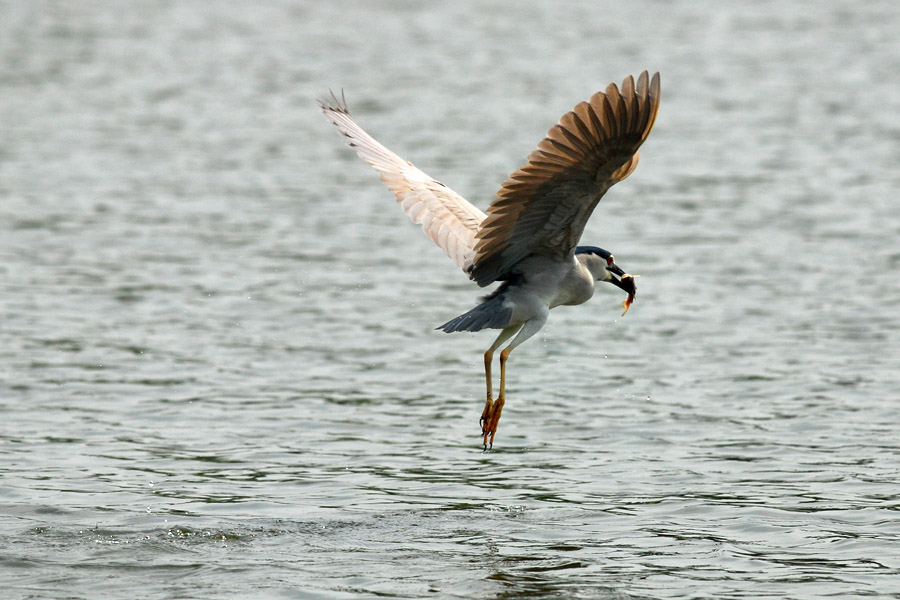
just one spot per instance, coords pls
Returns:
(219, 376)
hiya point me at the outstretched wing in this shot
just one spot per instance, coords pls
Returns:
(543, 207)
(446, 217)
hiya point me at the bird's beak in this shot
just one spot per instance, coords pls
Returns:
(624, 282)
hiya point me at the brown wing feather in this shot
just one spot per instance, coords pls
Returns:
(542, 207)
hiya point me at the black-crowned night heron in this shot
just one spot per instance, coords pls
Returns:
(528, 240)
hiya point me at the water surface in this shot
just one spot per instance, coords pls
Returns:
(218, 370)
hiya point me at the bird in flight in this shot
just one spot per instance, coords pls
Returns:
(528, 239)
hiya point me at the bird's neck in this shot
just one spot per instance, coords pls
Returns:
(595, 266)
(576, 287)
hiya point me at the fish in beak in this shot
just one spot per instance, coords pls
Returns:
(625, 282)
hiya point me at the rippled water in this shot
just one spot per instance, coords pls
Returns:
(219, 371)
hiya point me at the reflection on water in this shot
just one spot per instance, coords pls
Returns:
(219, 369)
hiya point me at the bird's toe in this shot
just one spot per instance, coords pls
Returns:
(489, 421)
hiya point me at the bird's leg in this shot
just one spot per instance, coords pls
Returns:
(490, 406)
(489, 403)
(525, 331)
(501, 399)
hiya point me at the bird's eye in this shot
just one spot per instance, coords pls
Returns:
(610, 260)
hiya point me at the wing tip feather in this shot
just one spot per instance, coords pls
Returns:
(610, 126)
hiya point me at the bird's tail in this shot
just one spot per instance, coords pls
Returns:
(490, 314)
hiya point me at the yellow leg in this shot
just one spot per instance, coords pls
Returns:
(492, 408)
(489, 403)
(504, 355)
(501, 399)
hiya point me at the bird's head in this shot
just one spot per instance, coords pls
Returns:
(602, 265)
